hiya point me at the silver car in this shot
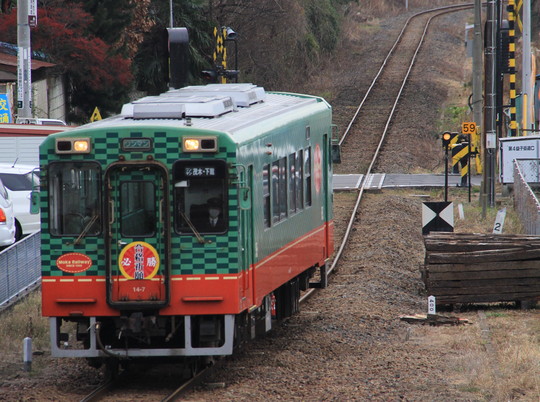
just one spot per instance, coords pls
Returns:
(7, 219)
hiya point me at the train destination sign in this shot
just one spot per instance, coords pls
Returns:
(136, 144)
(199, 171)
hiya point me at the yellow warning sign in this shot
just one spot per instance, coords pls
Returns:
(96, 115)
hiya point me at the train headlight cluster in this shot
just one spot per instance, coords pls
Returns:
(199, 144)
(73, 146)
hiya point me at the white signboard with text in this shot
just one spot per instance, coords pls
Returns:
(512, 148)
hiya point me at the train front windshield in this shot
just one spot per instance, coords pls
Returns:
(200, 196)
(75, 198)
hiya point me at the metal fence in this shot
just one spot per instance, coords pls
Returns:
(527, 176)
(20, 268)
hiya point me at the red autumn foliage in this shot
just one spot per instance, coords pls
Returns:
(62, 35)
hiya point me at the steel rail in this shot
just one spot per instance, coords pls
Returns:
(192, 382)
(440, 11)
(101, 390)
(112, 381)
(391, 51)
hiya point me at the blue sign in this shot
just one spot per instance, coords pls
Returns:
(5, 110)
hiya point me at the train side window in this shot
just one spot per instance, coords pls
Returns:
(279, 190)
(74, 198)
(292, 182)
(299, 180)
(307, 175)
(266, 195)
(200, 197)
(282, 188)
(275, 191)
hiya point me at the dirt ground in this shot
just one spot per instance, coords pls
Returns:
(348, 342)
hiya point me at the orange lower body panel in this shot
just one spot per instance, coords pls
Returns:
(194, 294)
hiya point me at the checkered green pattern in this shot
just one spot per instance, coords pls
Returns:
(188, 256)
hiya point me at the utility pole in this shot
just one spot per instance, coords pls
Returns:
(490, 129)
(24, 59)
(477, 65)
(171, 16)
(477, 99)
(526, 76)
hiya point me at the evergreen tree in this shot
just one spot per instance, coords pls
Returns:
(111, 18)
(150, 62)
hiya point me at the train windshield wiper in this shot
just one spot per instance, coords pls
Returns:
(193, 228)
(86, 229)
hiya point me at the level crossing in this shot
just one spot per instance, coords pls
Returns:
(378, 181)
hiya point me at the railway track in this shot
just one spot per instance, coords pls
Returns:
(165, 383)
(362, 144)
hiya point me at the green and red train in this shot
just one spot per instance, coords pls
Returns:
(186, 224)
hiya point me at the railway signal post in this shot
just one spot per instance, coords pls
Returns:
(446, 137)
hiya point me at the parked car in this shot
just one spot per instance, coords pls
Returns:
(19, 181)
(41, 122)
(7, 219)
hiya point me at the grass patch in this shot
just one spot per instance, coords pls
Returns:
(451, 118)
(496, 314)
(21, 321)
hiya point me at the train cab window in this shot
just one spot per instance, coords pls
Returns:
(74, 198)
(200, 197)
(307, 175)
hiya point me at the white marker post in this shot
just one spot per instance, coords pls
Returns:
(460, 211)
(27, 353)
(499, 221)
(432, 309)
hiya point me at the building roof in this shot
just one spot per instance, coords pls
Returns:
(7, 76)
(8, 67)
(8, 62)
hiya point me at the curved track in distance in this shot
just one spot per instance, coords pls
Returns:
(366, 132)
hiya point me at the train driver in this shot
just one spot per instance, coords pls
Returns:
(213, 221)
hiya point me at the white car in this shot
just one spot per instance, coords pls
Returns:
(7, 219)
(19, 181)
(41, 122)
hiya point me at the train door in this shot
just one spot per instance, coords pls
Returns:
(246, 235)
(137, 235)
(326, 172)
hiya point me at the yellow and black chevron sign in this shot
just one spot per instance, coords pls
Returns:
(460, 156)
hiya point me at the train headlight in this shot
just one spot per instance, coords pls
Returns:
(73, 146)
(81, 146)
(199, 144)
(191, 145)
